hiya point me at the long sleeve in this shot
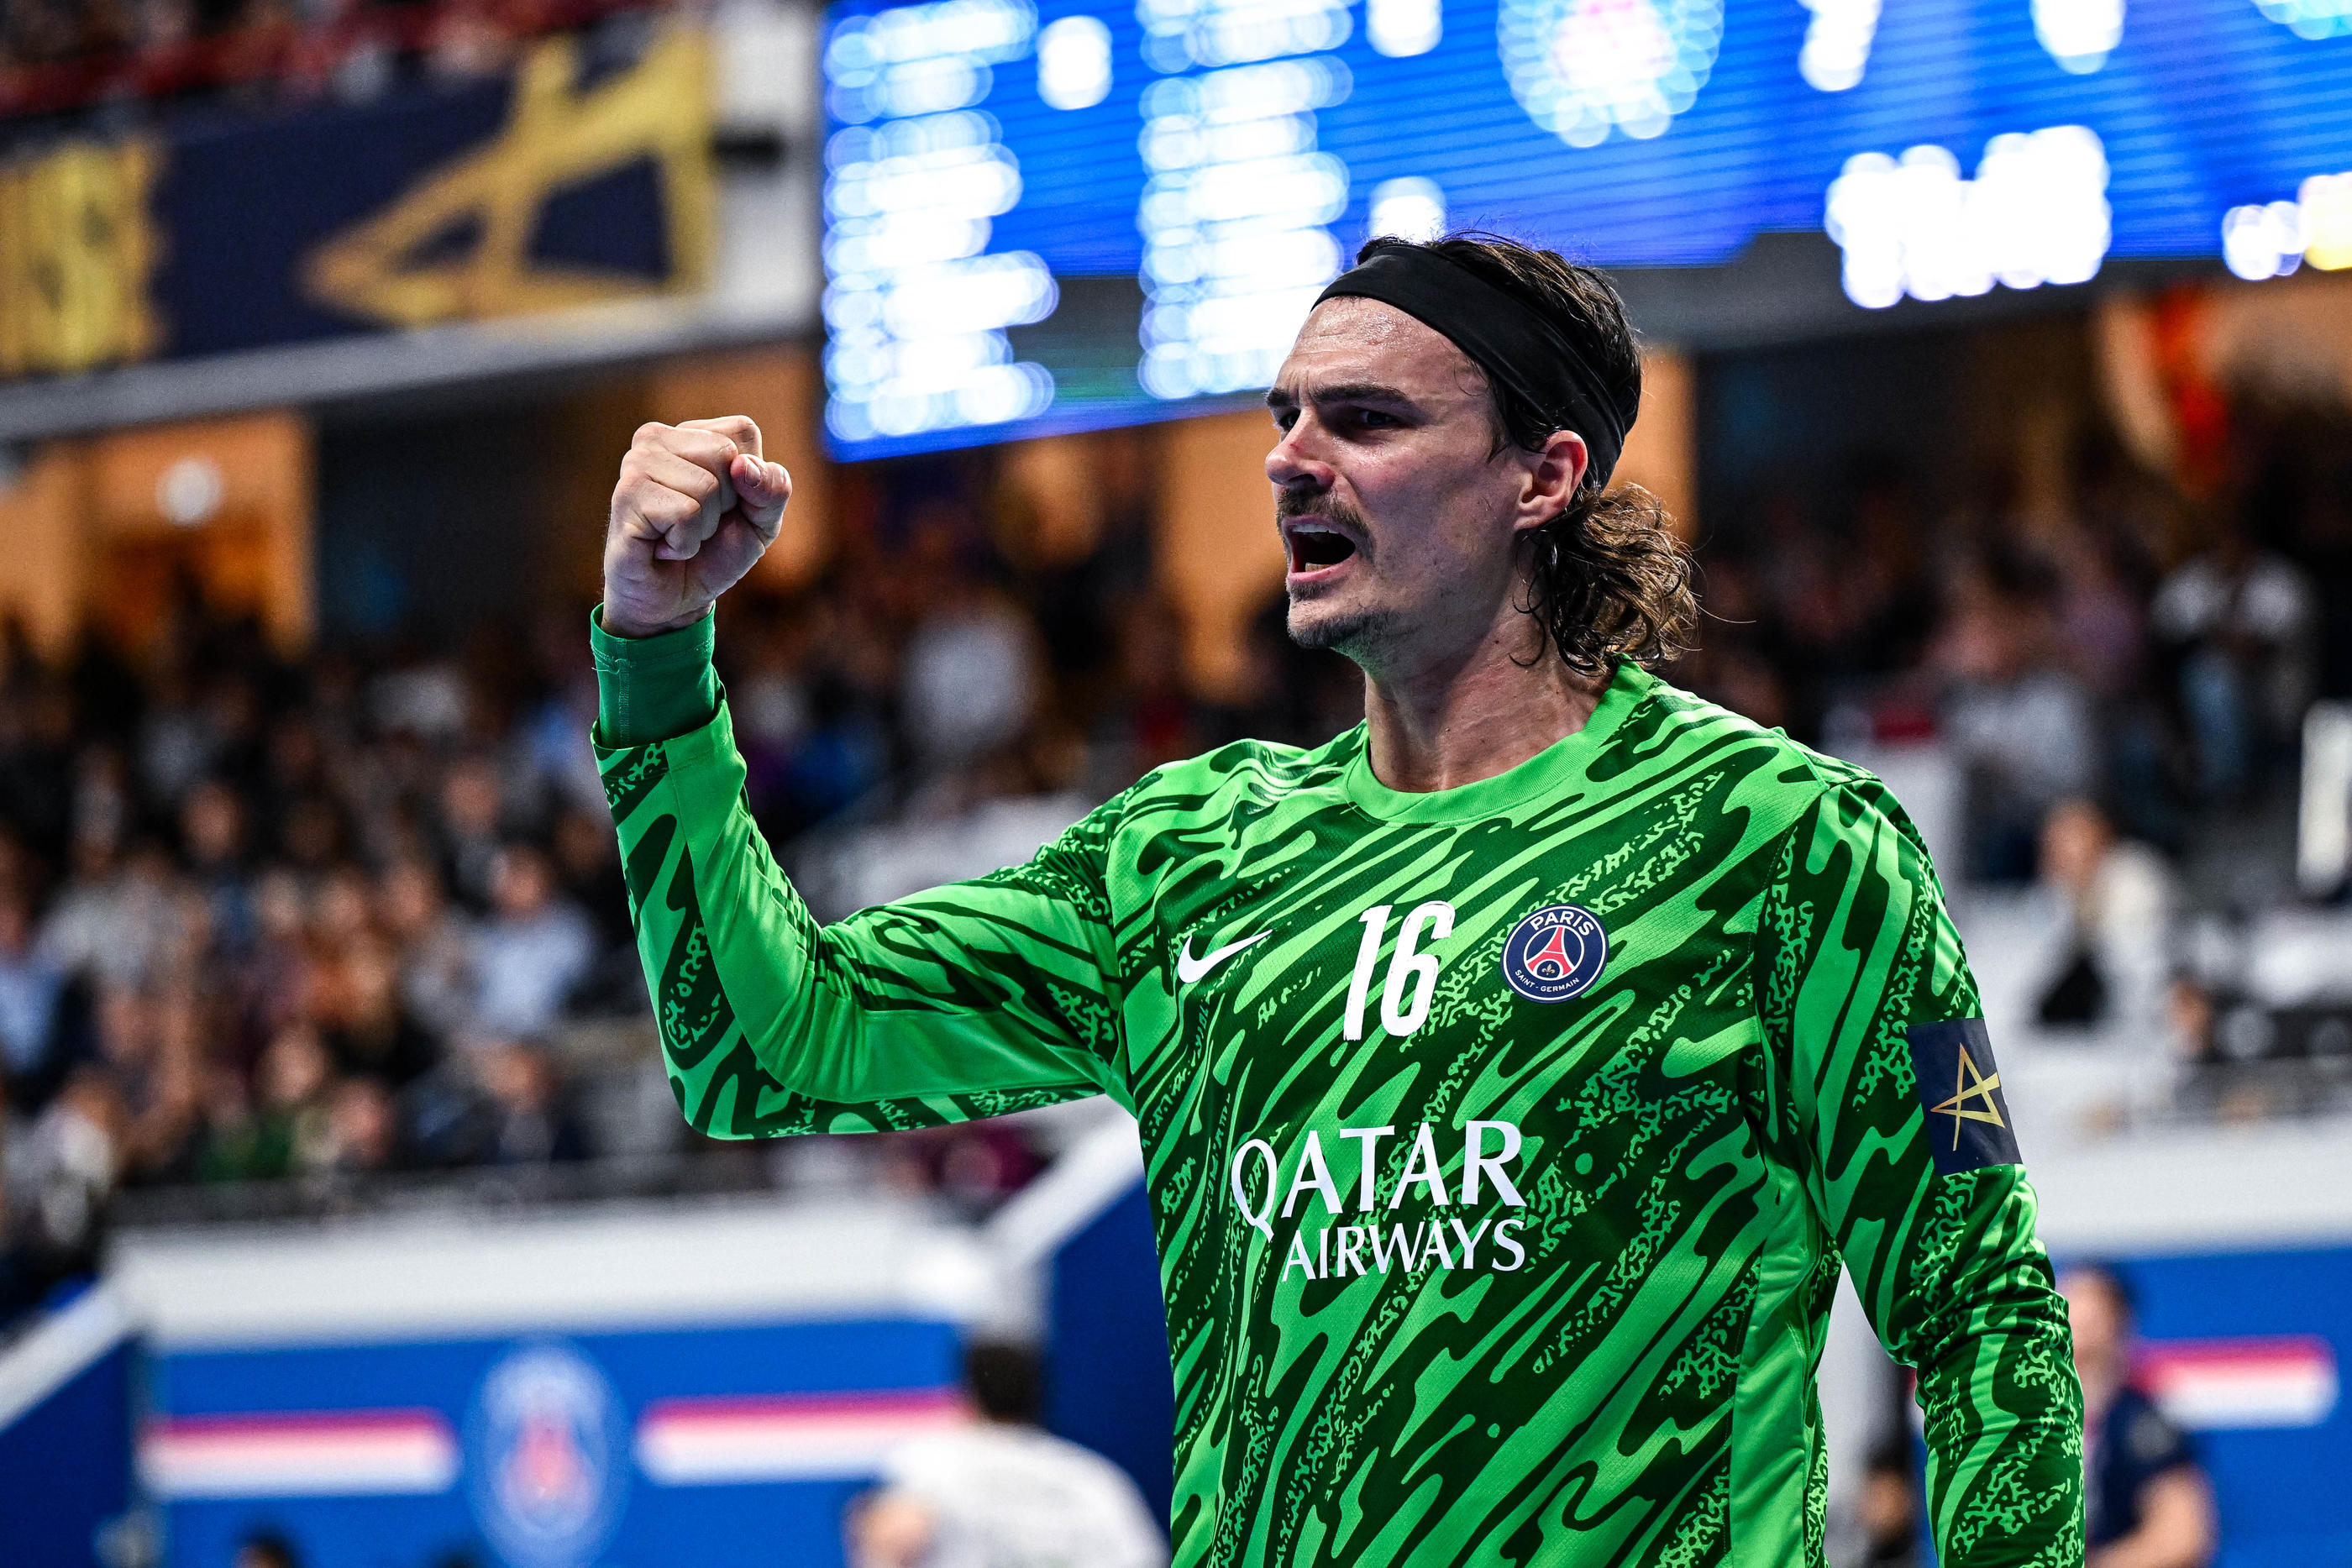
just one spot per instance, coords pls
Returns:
(651, 688)
(969, 1000)
(1895, 1113)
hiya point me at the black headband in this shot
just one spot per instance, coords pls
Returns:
(1516, 348)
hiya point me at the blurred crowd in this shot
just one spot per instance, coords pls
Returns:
(58, 56)
(261, 919)
(2111, 641)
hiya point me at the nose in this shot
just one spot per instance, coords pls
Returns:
(1296, 460)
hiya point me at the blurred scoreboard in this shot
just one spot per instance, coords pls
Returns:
(1069, 213)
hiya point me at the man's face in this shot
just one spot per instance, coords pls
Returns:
(2096, 1318)
(1397, 516)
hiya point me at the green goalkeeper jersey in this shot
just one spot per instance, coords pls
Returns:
(1503, 1143)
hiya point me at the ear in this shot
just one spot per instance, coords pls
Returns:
(1553, 476)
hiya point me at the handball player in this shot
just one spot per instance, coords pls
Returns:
(1516, 1071)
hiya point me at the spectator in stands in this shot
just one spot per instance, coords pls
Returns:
(295, 1080)
(43, 1012)
(355, 987)
(2114, 900)
(235, 1142)
(67, 1164)
(20, 1281)
(122, 921)
(588, 859)
(147, 1045)
(2241, 625)
(212, 840)
(968, 679)
(362, 1129)
(2018, 722)
(531, 1121)
(2147, 1500)
(470, 809)
(533, 950)
(435, 945)
(1001, 1493)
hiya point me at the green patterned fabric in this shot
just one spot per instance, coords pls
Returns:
(649, 687)
(1455, 1276)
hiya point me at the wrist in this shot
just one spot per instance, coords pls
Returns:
(621, 624)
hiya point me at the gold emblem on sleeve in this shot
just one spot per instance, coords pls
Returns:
(1969, 1083)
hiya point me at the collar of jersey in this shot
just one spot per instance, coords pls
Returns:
(1544, 772)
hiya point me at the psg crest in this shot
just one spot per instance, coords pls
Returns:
(1555, 953)
(547, 1458)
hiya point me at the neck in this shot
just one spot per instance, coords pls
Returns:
(1472, 715)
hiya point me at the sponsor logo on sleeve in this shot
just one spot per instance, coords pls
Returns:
(1555, 954)
(1959, 1089)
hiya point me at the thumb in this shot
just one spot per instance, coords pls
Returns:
(762, 488)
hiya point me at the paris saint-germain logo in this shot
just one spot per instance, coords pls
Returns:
(1555, 953)
(546, 1457)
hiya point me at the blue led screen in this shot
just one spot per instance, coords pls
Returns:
(1154, 239)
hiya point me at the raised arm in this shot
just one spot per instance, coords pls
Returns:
(1899, 1122)
(969, 1000)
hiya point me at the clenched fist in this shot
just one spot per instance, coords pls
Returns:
(696, 505)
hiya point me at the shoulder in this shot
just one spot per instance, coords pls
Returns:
(1781, 783)
(1671, 725)
(1242, 770)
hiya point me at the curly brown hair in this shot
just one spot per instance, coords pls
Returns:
(1607, 579)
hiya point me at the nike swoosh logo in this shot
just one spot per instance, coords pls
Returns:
(1189, 969)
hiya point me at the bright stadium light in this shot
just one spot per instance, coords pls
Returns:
(922, 59)
(2262, 241)
(2273, 239)
(1074, 63)
(2326, 201)
(2079, 34)
(1582, 69)
(2036, 213)
(1404, 28)
(1410, 208)
(1837, 43)
(916, 307)
(2312, 19)
(1182, 33)
(1235, 213)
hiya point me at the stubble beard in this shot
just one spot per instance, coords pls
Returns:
(1356, 631)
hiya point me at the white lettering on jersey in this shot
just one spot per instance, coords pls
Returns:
(1412, 979)
(1475, 1134)
(1367, 953)
(1417, 969)
(1339, 1251)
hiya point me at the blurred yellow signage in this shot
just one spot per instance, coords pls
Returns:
(555, 137)
(77, 248)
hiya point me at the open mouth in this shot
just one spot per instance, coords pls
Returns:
(1313, 547)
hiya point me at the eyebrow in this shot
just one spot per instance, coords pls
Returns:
(1345, 391)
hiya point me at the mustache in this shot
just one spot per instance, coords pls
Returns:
(1320, 505)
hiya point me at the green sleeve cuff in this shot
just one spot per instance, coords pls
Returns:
(653, 688)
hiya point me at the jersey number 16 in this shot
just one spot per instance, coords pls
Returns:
(1410, 969)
